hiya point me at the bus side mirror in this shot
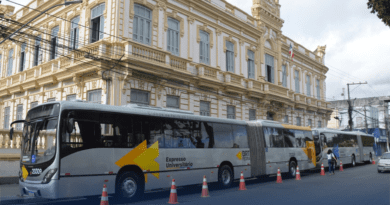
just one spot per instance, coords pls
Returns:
(11, 132)
(69, 125)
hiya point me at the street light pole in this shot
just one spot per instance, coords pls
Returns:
(43, 12)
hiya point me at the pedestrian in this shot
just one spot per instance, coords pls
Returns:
(331, 161)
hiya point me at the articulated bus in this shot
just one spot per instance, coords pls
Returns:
(349, 147)
(135, 148)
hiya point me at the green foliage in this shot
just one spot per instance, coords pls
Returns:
(382, 8)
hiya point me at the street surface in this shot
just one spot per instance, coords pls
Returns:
(357, 185)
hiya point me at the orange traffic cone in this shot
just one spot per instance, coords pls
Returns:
(104, 200)
(173, 196)
(205, 188)
(341, 166)
(322, 169)
(279, 177)
(373, 161)
(298, 175)
(242, 182)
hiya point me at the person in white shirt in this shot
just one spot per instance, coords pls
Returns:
(330, 162)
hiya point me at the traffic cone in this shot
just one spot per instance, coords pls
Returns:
(205, 188)
(279, 177)
(341, 166)
(104, 200)
(373, 161)
(298, 175)
(173, 196)
(242, 182)
(322, 169)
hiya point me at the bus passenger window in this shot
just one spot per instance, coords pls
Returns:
(207, 132)
(183, 134)
(240, 136)
(223, 136)
(196, 138)
(156, 134)
(289, 138)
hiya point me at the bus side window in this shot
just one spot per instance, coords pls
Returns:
(240, 136)
(223, 136)
(207, 132)
(196, 137)
(182, 134)
(156, 133)
(289, 138)
(267, 136)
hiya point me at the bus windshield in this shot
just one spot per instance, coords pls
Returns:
(39, 134)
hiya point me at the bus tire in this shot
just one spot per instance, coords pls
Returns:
(353, 161)
(225, 176)
(130, 186)
(292, 168)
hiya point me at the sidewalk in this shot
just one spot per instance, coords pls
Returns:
(9, 172)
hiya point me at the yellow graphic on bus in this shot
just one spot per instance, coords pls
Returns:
(24, 172)
(310, 149)
(142, 157)
(239, 155)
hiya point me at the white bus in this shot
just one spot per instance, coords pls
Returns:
(134, 148)
(349, 147)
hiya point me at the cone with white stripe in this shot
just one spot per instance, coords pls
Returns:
(242, 182)
(173, 196)
(279, 177)
(104, 200)
(205, 188)
(298, 175)
(341, 166)
(322, 169)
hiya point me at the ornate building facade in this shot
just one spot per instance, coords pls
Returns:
(205, 56)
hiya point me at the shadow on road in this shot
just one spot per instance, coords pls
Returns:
(182, 191)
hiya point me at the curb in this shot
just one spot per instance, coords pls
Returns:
(9, 180)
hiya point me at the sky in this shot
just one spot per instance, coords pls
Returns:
(357, 45)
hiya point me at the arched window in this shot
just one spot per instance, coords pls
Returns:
(54, 43)
(10, 62)
(269, 61)
(97, 22)
(142, 25)
(297, 81)
(74, 33)
(308, 85)
(22, 57)
(284, 76)
(173, 36)
(204, 50)
(229, 56)
(251, 64)
(37, 51)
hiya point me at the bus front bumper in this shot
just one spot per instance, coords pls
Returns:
(34, 189)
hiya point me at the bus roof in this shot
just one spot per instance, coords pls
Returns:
(294, 127)
(141, 110)
(341, 132)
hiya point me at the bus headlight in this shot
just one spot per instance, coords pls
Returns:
(21, 176)
(48, 176)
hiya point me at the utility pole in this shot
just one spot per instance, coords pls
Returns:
(350, 108)
(365, 119)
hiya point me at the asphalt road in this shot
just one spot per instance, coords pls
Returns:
(357, 185)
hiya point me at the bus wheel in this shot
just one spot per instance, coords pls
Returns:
(292, 169)
(225, 176)
(353, 163)
(130, 186)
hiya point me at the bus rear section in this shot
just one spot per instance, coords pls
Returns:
(274, 145)
(349, 147)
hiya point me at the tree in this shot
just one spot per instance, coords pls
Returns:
(382, 8)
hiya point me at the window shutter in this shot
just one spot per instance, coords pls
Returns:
(10, 62)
